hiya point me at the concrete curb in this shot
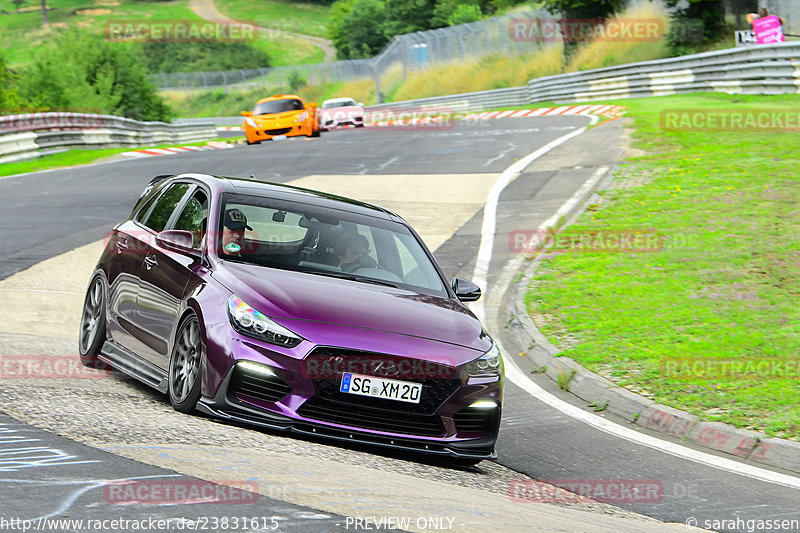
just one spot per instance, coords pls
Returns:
(601, 393)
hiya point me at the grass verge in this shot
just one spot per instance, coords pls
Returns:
(76, 157)
(280, 15)
(722, 285)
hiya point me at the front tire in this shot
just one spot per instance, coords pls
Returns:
(184, 366)
(93, 323)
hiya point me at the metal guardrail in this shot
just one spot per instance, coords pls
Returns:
(766, 69)
(23, 136)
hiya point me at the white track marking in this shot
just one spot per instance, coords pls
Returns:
(516, 376)
(481, 274)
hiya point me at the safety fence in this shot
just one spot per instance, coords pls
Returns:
(765, 69)
(404, 53)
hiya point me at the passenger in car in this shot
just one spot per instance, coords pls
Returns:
(352, 250)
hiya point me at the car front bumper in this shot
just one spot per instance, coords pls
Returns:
(291, 401)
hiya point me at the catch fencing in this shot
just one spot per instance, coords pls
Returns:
(403, 54)
(762, 69)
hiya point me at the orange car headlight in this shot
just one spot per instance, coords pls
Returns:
(250, 122)
(302, 117)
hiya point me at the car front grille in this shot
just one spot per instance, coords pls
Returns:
(258, 386)
(330, 405)
(371, 418)
(279, 131)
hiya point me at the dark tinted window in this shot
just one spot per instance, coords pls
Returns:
(143, 212)
(163, 209)
(331, 242)
(194, 213)
(278, 106)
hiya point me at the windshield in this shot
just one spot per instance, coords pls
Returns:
(339, 103)
(278, 106)
(326, 242)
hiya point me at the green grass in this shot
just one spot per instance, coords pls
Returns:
(289, 16)
(724, 287)
(76, 157)
(290, 51)
(22, 32)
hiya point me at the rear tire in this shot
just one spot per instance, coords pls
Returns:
(185, 366)
(93, 324)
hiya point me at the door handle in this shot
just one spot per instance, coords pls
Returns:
(122, 245)
(150, 261)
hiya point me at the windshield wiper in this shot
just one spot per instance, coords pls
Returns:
(353, 277)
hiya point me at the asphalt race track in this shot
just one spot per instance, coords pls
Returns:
(438, 179)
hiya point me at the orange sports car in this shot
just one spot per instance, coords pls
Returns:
(280, 114)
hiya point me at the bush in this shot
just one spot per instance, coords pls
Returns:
(357, 28)
(464, 14)
(80, 71)
(196, 57)
(295, 80)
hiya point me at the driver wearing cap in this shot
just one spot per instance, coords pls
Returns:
(233, 231)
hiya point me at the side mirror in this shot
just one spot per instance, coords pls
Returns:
(466, 291)
(313, 104)
(247, 113)
(178, 240)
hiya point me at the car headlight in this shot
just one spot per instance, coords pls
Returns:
(250, 122)
(252, 323)
(302, 117)
(487, 365)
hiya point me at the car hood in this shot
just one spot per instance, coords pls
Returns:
(299, 300)
(273, 117)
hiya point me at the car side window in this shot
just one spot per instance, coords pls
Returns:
(194, 213)
(157, 220)
(146, 209)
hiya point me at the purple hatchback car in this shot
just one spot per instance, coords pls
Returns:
(296, 310)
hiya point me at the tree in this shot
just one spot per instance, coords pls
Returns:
(44, 12)
(356, 28)
(80, 71)
(584, 9)
(18, 4)
(445, 9)
(339, 10)
(464, 14)
(701, 21)
(9, 99)
(408, 16)
(363, 26)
